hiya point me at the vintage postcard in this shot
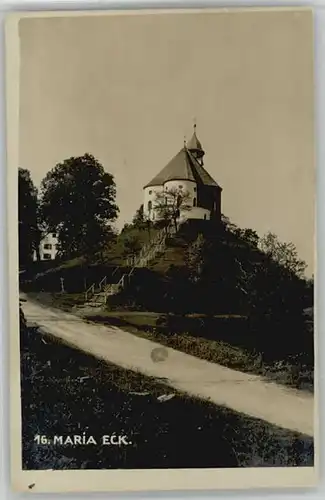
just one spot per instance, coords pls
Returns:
(161, 180)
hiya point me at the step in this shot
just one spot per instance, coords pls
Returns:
(92, 304)
(88, 310)
(96, 299)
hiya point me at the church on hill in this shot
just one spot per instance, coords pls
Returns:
(185, 173)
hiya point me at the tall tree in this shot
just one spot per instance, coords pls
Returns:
(78, 202)
(29, 233)
(169, 203)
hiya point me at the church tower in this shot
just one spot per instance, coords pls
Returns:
(195, 147)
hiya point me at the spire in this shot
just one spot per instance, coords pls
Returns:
(194, 144)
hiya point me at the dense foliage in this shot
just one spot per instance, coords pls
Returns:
(78, 202)
(29, 233)
(229, 271)
(233, 268)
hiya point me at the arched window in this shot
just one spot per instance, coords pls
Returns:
(149, 206)
(194, 202)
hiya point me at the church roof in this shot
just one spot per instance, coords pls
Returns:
(183, 166)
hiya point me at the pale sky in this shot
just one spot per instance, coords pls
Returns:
(127, 89)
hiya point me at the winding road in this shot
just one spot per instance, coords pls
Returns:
(242, 392)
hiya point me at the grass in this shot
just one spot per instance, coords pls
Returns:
(78, 274)
(64, 301)
(150, 325)
(288, 372)
(66, 392)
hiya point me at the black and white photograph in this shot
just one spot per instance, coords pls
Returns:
(162, 198)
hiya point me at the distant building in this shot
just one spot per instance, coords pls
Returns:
(186, 173)
(48, 247)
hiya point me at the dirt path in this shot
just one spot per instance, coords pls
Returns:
(245, 393)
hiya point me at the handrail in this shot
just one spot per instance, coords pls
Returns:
(115, 270)
(90, 289)
(147, 253)
(149, 250)
(102, 283)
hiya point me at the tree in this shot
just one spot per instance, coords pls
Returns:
(216, 271)
(169, 204)
(131, 244)
(139, 218)
(245, 235)
(78, 202)
(227, 224)
(29, 232)
(233, 270)
(196, 258)
(284, 254)
(141, 221)
(248, 236)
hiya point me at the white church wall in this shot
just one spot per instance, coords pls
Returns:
(188, 187)
(149, 201)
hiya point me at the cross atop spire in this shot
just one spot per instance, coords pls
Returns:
(194, 144)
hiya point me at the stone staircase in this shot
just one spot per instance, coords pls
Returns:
(97, 294)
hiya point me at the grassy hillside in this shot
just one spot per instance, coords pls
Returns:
(79, 273)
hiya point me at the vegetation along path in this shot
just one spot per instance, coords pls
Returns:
(248, 394)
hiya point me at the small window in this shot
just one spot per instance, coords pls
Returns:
(205, 216)
(194, 189)
(180, 186)
(194, 202)
(53, 235)
(149, 205)
(47, 256)
(150, 192)
(47, 246)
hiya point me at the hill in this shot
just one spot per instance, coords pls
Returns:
(211, 283)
